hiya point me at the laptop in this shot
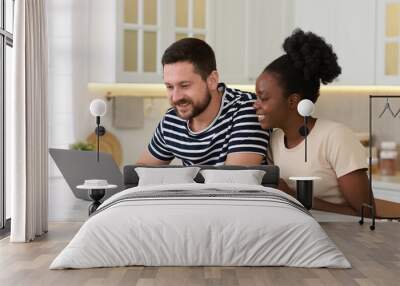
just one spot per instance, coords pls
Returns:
(78, 166)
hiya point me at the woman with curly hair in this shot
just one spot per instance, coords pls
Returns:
(335, 155)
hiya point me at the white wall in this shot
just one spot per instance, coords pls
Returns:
(102, 38)
(68, 73)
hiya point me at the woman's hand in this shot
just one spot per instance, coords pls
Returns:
(319, 204)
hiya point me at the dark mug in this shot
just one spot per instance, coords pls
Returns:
(305, 192)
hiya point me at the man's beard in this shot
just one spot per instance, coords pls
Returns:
(196, 109)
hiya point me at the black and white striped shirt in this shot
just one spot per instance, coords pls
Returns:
(235, 129)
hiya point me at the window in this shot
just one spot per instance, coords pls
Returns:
(6, 43)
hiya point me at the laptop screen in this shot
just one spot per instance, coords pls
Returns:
(78, 166)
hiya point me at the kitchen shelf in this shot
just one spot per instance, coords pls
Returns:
(155, 90)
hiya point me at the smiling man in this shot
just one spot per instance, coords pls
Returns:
(209, 123)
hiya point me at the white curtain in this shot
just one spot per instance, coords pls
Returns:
(27, 148)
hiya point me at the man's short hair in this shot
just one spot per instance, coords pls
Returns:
(192, 50)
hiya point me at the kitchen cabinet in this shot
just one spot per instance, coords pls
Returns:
(364, 33)
(127, 37)
(350, 27)
(246, 36)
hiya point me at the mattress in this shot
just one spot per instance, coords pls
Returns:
(201, 225)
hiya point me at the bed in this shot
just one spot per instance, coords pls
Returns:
(201, 224)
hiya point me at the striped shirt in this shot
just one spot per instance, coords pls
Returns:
(235, 129)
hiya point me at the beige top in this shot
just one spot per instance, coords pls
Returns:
(333, 151)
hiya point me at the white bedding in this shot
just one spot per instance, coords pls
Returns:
(200, 231)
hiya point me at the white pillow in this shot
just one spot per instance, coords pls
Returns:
(248, 177)
(164, 176)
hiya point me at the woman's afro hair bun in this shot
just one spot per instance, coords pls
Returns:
(312, 55)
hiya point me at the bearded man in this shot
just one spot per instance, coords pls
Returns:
(208, 123)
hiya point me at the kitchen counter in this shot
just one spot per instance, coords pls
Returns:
(387, 187)
(387, 182)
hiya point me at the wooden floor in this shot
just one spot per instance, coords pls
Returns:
(374, 255)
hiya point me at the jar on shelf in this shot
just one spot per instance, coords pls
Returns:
(388, 146)
(374, 165)
(388, 159)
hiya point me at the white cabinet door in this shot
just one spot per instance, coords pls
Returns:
(249, 35)
(270, 22)
(230, 41)
(350, 27)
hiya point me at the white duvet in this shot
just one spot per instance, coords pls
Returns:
(185, 231)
